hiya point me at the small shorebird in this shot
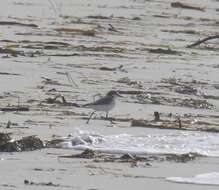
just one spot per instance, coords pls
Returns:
(105, 103)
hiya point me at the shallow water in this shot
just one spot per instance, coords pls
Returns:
(201, 179)
(172, 142)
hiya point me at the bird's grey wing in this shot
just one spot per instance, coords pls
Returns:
(101, 101)
(104, 100)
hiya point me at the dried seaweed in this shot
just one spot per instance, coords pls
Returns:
(130, 158)
(197, 103)
(28, 143)
(12, 52)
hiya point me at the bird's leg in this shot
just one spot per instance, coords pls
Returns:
(110, 119)
(90, 116)
(107, 114)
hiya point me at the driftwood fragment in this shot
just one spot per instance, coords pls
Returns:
(77, 31)
(164, 51)
(203, 40)
(99, 17)
(27, 182)
(18, 24)
(104, 68)
(14, 108)
(186, 6)
(5, 73)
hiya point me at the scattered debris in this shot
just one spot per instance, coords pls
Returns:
(28, 143)
(190, 90)
(136, 18)
(15, 108)
(134, 159)
(77, 31)
(101, 49)
(197, 103)
(99, 17)
(186, 6)
(62, 102)
(210, 97)
(202, 41)
(112, 28)
(18, 24)
(112, 68)
(87, 154)
(130, 92)
(177, 124)
(11, 52)
(156, 116)
(8, 124)
(48, 81)
(27, 182)
(127, 157)
(182, 31)
(7, 185)
(49, 184)
(164, 51)
(129, 82)
(183, 157)
(4, 138)
(179, 121)
(5, 73)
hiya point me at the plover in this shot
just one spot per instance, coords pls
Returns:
(104, 104)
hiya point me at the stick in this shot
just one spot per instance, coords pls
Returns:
(202, 41)
(71, 80)
(90, 116)
(180, 124)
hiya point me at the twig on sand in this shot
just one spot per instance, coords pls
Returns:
(54, 7)
(112, 28)
(179, 121)
(71, 80)
(203, 40)
(14, 108)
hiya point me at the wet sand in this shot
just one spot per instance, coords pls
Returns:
(44, 167)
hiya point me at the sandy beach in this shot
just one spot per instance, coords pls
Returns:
(84, 174)
(58, 55)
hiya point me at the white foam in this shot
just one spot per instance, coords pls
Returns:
(176, 142)
(202, 179)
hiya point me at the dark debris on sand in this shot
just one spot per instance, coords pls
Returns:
(29, 143)
(131, 158)
(48, 184)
